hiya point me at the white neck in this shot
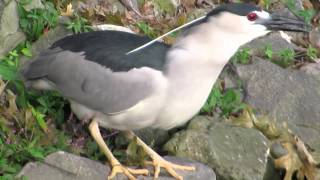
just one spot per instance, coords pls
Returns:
(193, 66)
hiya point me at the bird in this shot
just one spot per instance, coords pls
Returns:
(156, 86)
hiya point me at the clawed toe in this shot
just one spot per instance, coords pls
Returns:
(126, 171)
(159, 162)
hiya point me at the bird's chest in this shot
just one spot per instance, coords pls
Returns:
(185, 99)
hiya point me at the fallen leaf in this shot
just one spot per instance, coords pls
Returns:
(68, 12)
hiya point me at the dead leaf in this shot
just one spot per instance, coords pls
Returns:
(2, 86)
(68, 12)
(12, 109)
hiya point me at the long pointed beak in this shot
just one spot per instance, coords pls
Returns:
(286, 24)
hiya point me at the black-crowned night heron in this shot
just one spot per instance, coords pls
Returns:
(158, 86)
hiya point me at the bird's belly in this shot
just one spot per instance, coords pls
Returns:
(130, 119)
(181, 108)
(143, 114)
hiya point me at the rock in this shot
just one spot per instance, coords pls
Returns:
(314, 37)
(277, 41)
(111, 27)
(155, 137)
(312, 69)
(10, 34)
(164, 6)
(280, 7)
(233, 152)
(34, 4)
(65, 166)
(46, 40)
(288, 96)
(117, 7)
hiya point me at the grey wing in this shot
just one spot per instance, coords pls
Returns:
(93, 85)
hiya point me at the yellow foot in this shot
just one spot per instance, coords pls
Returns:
(126, 171)
(159, 162)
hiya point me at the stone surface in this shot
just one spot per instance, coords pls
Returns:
(156, 137)
(290, 96)
(65, 166)
(33, 4)
(277, 41)
(10, 34)
(233, 152)
(49, 38)
(312, 69)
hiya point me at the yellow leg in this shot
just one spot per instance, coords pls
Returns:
(157, 160)
(115, 164)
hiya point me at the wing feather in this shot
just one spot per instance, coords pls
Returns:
(91, 82)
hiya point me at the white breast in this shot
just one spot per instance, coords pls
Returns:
(190, 82)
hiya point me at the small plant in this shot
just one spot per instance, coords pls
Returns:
(146, 29)
(287, 57)
(231, 102)
(36, 21)
(311, 52)
(268, 52)
(212, 100)
(305, 14)
(266, 4)
(242, 56)
(79, 24)
(228, 102)
(22, 138)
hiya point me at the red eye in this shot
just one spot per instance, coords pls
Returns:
(252, 16)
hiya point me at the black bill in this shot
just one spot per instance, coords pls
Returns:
(286, 24)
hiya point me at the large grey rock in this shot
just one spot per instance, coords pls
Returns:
(10, 34)
(290, 96)
(312, 69)
(156, 137)
(33, 4)
(49, 38)
(46, 40)
(233, 152)
(276, 40)
(65, 166)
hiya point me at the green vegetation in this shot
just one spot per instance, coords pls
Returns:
(287, 57)
(79, 24)
(36, 21)
(268, 52)
(312, 52)
(266, 4)
(306, 14)
(228, 101)
(146, 29)
(242, 56)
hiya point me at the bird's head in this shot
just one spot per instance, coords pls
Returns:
(230, 26)
(250, 21)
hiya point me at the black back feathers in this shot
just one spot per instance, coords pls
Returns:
(109, 48)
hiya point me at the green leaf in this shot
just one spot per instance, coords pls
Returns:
(27, 52)
(7, 72)
(212, 101)
(36, 153)
(231, 102)
(268, 52)
(242, 56)
(312, 52)
(40, 119)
